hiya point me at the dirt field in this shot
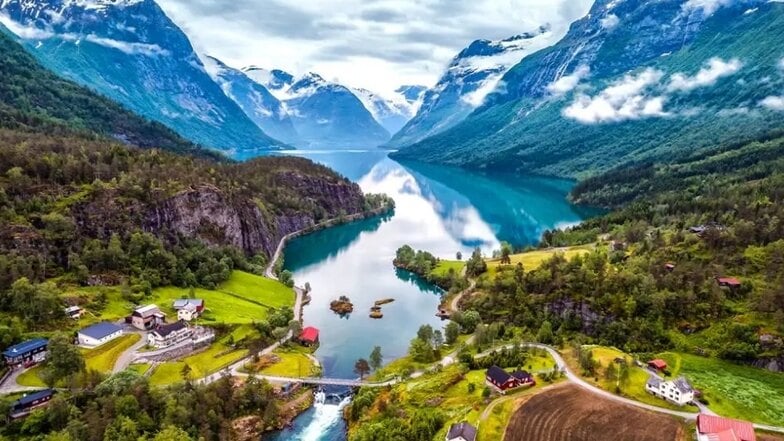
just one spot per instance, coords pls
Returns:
(769, 437)
(571, 414)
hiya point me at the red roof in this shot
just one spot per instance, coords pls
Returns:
(310, 334)
(720, 428)
(658, 364)
(728, 281)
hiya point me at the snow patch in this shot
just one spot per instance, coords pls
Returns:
(708, 7)
(610, 22)
(773, 103)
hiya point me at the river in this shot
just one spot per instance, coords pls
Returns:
(439, 209)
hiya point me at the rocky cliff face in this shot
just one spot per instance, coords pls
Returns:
(218, 219)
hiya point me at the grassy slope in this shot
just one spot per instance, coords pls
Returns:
(294, 362)
(533, 259)
(218, 356)
(442, 269)
(733, 390)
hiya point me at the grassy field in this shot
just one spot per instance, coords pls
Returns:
(533, 259)
(202, 364)
(103, 358)
(140, 368)
(494, 426)
(242, 299)
(294, 362)
(637, 377)
(442, 269)
(733, 390)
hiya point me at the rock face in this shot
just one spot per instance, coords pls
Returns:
(215, 218)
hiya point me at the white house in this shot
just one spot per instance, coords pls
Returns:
(167, 335)
(461, 432)
(188, 309)
(99, 334)
(677, 391)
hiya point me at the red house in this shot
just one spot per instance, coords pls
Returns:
(503, 381)
(657, 364)
(714, 428)
(729, 282)
(309, 336)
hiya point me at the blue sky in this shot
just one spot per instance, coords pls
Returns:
(376, 44)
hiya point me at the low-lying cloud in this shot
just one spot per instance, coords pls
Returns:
(623, 100)
(567, 83)
(715, 69)
(773, 102)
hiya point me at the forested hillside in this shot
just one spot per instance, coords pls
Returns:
(33, 99)
(652, 284)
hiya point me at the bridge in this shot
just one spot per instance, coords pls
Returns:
(321, 381)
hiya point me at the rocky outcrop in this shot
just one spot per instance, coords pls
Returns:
(208, 214)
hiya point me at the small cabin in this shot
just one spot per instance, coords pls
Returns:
(657, 364)
(309, 336)
(23, 406)
(503, 381)
(669, 266)
(462, 431)
(728, 282)
(74, 312)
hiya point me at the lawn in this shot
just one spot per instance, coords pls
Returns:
(242, 299)
(733, 390)
(140, 368)
(637, 377)
(494, 427)
(202, 364)
(533, 259)
(103, 358)
(443, 267)
(294, 362)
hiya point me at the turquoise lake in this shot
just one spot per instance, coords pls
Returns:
(439, 209)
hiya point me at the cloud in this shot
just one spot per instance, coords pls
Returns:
(624, 99)
(781, 64)
(610, 21)
(127, 47)
(372, 44)
(24, 32)
(715, 69)
(708, 7)
(773, 102)
(567, 83)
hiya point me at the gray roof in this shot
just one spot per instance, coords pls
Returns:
(165, 330)
(654, 382)
(100, 330)
(185, 303)
(683, 385)
(464, 430)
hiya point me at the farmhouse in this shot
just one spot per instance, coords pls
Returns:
(188, 309)
(728, 282)
(26, 353)
(461, 432)
(309, 336)
(23, 406)
(503, 381)
(714, 428)
(98, 334)
(147, 317)
(657, 364)
(168, 335)
(678, 391)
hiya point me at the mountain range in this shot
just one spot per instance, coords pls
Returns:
(632, 81)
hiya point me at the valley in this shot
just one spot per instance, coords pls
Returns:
(352, 222)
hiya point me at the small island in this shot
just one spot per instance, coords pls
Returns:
(375, 312)
(342, 306)
(383, 301)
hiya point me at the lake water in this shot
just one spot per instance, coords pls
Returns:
(439, 209)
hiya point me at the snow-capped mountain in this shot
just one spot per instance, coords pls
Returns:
(411, 93)
(130, 51)
(473, 74)
(324, 113)
(276, 81)
(392, 114)
(633, 80)
(259, 104)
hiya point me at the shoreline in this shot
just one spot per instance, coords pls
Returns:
(269, 271)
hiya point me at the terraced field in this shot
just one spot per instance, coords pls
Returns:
(569, 413)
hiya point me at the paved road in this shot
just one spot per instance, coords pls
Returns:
(9, 386)
(127, 357)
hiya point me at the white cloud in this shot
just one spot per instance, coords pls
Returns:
(707, 6)
(24, 32)
(128, 47)
(567, 83)
(623, 100)
(610, 21)
(781, 64)
(376, 45)
(715, 69)
(773, 102)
